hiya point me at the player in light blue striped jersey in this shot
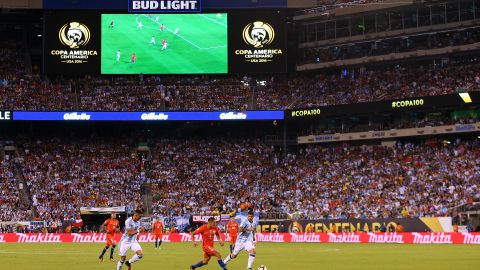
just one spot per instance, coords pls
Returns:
(245, 240)
(129, 240)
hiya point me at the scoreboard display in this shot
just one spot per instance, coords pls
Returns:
(235, 42)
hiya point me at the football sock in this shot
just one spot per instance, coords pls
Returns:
(231, 248)
(200, 264)
(251, 258)
(112, 250)
(220, 262)
(160, 243)
(103, 251)
(156, 242)
(119, 265)
(227, 259)
(134, 258)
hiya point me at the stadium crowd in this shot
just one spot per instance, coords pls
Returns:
(63, 176)
(127, 94)
(409, 180)
(395, 82)
(217, 176)
(150, 94)
(143, 93)
(10, 207)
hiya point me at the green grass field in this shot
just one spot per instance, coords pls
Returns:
(200, 46)
(275, 256)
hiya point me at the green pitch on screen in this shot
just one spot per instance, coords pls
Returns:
(197, 43)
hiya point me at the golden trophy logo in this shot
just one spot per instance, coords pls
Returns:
(295, 227)
(258, 34)
(74, 35)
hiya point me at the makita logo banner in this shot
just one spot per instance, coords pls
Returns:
(471, 238)
(89, 238)
(39, 238)
(385, 238)
(393, 238)
(432, 238)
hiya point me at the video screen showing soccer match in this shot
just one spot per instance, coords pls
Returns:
(164, 43)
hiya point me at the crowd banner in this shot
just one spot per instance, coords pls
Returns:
(396, 238)
(425, 224)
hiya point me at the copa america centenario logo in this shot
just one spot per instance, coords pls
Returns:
(258, 34)
(74, 35)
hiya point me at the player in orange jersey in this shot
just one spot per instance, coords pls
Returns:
(208, 232)
(232, 230)
(112, 226)
(158, 231)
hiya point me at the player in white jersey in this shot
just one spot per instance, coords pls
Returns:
(176, 31)
(140, 25)
(118, 55)
(152, 41)
(245, 240)
(129, 240)
(156, 19)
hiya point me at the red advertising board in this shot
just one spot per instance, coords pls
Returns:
(398, 238)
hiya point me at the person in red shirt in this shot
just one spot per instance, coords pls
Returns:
(112, 226)
(164, 44)
(232, 230)
(208, 232)
(133, 58)
(158, 231)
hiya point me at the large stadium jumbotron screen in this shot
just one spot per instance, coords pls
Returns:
(164, 43)
(239, 42)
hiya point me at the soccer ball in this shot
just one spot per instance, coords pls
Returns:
(262, 267)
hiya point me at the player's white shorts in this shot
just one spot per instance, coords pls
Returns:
(124, 246)
(248, 246)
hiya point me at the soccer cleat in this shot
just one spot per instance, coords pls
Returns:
(192, 267)
(100, 258)
(112, 259)
(127, 263)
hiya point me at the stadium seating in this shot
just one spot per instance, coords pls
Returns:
(63, 176)
(205, 176)
(217, 93)
(10, 207)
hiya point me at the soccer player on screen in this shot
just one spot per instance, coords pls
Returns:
(134, 56)
(112, 24)
(232, 230)
(129, 240)
(158, 231)
(176, 31)
(245, 240)
(162, 27)
(118, 55)
(164, 44)
(139, 25)
(152, 41)
(156, 19)
(208, 232)
(112, 226)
